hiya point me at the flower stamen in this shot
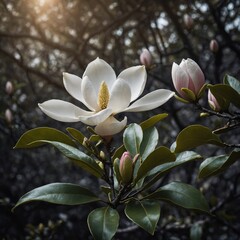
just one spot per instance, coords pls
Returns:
(103, 96)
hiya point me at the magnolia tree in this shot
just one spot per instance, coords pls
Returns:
(128, 175)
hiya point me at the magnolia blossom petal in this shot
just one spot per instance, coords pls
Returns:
(150, 101)
(89, 94)
(195, 74)
(72, 84)
(120, 96)
(136, 77)
(110, 126)
(99, 71)
(63, 111)
(180, 79)
(96, 118)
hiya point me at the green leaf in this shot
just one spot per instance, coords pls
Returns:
(201, 91)
(233, 82)
(103, 223)
(30, 139)
(80, 158)
(161, 170)
(77, 135)
(117, 174)
(181, 99)
(132, 138)
(153, 120)
(144, 213)
(223, 91)
(159, 156)
(181, 194)
(196, 232)
(149, 142)
(119, 152)
(95, 138)
(215, 165)
(194, 136)
(190, 94)
(59, 193)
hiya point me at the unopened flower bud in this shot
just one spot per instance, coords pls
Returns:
(100, 164)
(213, 103)
(188, 79)
(8, 116)
(9, 88)
(86, 143)
(126, 168)
(214, 47)
(204, 114)
(146, 58)
(102, 155)
(188, 21)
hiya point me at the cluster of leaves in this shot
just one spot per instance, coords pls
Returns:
(142, 205)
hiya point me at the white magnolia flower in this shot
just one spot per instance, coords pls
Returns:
(105, 95)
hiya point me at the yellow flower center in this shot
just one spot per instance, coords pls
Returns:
(103, 96)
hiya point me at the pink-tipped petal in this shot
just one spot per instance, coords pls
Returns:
(196, 75)
(180, 79)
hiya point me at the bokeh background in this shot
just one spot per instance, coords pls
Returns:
(40, 39)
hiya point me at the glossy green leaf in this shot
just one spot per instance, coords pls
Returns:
(194, 136)
(119, 152)
(181, 194)
(116, 164)
(158, 157)
(159, 171)
(144, 213)
(132, 138)
(80, 158)
(149, 142)
(233, 82)
(215, 165)
(30, 139)
(77, 135)
(103, 223)
(153, 120)
(59, 193)
(227, 92)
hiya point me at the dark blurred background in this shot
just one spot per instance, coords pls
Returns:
(40, 39)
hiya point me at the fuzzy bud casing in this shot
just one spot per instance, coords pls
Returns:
(146, 58)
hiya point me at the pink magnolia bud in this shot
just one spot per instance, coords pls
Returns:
(213, 103)
(8, 116)
(146, 58)
(214, 47)
(187, 75)
(9, 88)
(126, 168)
(188, 21)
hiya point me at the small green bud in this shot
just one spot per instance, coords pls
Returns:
(203, 114)
(102, 156)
